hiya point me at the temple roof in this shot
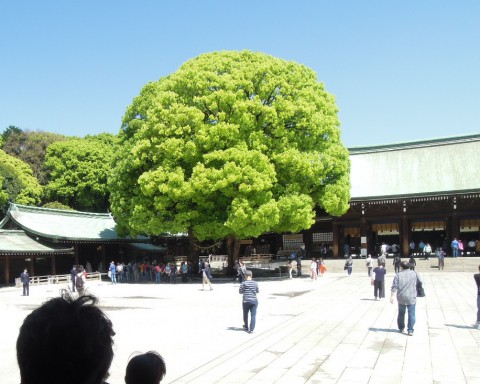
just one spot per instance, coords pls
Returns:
(64, 225)
(17, 242)
(422, 168)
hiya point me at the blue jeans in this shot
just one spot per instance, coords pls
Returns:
(402, 308)
(349, 270)
(455, 252)
(252, 308)
(113, 278)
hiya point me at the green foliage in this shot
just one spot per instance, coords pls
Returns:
(78, 171)
(30, 147)
(232, 144)
(57, 205)
(17, 182)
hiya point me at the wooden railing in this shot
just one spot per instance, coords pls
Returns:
(57, 279)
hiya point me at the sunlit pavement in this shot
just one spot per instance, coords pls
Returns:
(328, 331)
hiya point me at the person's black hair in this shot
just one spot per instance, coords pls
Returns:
(146, 368)
(65, 341)
(405, 265)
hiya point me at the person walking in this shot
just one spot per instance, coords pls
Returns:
(249, 290)
(348, 265)
(322, 267)
(396, 263)
(379, 282)
(412, 263)
(369, 264)
(206, 275)
(25, 279)
(477, 281)
(405, 287)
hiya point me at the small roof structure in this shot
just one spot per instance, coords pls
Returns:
(17, 242)
(423, 168)
(59, 225)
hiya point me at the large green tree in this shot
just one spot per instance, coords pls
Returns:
(30, 147)
(232, 145)
(17, 182)
(78, 172)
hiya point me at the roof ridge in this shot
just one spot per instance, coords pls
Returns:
(65, 212)
(415, 144)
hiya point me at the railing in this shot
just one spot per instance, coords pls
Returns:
(57, 279)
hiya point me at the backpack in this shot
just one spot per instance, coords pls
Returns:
(79, 282)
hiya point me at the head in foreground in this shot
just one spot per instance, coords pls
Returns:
(147, 368)
(65, 341)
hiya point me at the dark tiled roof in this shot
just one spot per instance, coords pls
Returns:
(432, 167)
(63, 225)
(17, 242)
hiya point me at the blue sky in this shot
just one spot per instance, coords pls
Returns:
(400, 70)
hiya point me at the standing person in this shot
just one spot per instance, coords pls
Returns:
(112, 269)
(427, 250)
(241, 271)
(349, 265)
(382, 259)
(396, 263)
(454, 246)
(25, 279)
(299, 265)
(379, 282)
(313, 270)
(249, 290)
(460, 247)
(369, 264)
(412, 247)
(441, 257)
(73, 275)
(290, 268)
(405, 286)
(421, 247)
(80, 281)
(412, 263)
(477, 281)
(206, 275)
(322, 267)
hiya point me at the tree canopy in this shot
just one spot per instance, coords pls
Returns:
(232, 144)
(30, 147)
(17, 183)
(78, 172)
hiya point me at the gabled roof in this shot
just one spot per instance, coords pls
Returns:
(422, 168)
(63, 225)
(17, 242)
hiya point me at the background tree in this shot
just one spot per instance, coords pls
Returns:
(232, 145)
(30, 147)
(17, 183)
(57, 205)
(78, 172)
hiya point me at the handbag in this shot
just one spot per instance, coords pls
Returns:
(420, 289)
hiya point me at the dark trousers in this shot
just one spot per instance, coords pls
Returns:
(252, 308)
(26, 289)
(379, 289)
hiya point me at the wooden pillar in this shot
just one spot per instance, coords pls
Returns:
(335, 240)
(75, 252)
(7, 269)
(31, 269)
(53, 268)
(363, 238)
(405, 237)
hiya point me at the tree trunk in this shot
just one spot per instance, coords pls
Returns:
(193, 252)
(233, 251)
